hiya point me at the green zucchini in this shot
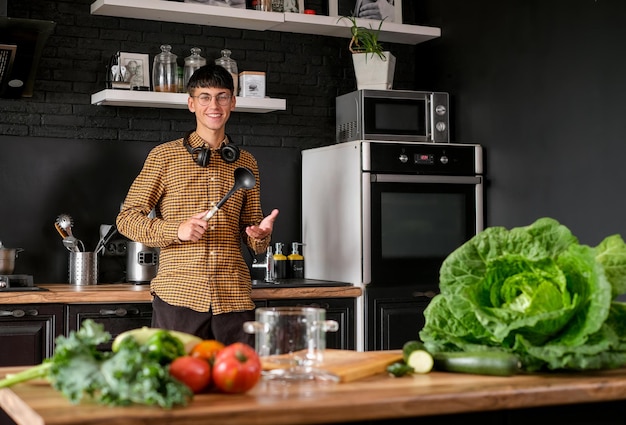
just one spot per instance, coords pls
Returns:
(411, 346)
(143, 334)
(417, 357)
(496, 363)
(399, 369)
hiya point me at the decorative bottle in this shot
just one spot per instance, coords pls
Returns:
(165, 71)
(192, 62)
(231, 66)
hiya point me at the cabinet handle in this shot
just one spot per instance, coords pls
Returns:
(120, 312)
(315, 305)
(19, 313)
(427, 294)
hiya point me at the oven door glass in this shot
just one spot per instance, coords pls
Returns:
(415, 226)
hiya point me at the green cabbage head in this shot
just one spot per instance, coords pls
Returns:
(536, 292)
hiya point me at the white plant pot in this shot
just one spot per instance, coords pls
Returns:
(372, 72)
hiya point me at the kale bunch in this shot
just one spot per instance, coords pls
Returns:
(133, 374)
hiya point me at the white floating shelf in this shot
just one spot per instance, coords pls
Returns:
(150, 99)
(188, 13)
(333, 26)
(230, 17)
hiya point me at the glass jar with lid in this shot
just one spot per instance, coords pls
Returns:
(231, 66)
(192, 62)
(165, 71)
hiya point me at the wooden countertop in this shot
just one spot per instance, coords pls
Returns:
(104, 293)
(378, 397)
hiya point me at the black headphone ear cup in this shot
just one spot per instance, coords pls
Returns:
(230, 153)
(204, 156)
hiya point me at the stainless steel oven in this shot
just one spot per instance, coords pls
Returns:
(386, 214)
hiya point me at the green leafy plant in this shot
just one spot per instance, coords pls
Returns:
(133, 374)
(365, 40)
(536, 292)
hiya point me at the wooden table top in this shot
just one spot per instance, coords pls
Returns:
(104, 293)
(376, 397)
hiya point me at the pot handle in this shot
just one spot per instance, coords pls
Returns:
(18, 250)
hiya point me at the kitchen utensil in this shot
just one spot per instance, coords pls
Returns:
(7, 259)
(293, 339)
(105, 239)
(243, 179)
(72, 244)
(66, 223)
(62, 232)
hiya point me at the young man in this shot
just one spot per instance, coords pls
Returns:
(203, 284)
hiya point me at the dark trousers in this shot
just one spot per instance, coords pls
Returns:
(226, 328)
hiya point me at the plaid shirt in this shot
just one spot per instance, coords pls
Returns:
(210, 274)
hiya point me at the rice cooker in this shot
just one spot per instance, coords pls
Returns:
(142, 263)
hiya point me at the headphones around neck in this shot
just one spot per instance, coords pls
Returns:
(202, 155)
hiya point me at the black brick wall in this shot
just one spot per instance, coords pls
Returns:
(59, 153)
(308, 71)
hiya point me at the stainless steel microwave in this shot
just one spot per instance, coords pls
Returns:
(393, 115)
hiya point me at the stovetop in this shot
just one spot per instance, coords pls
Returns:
(18, 283)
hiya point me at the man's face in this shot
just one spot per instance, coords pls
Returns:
(212, 106)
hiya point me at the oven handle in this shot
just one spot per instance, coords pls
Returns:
(404, 178)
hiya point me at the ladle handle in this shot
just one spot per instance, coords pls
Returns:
(211, 213)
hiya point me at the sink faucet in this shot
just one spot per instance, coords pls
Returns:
(267, 265)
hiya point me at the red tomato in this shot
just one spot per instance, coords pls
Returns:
(191, 371)
(236, 369)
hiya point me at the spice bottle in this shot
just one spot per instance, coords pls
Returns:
(231, 66)
(295, 262)
(280, 262)
(165, 71)
(192, 62)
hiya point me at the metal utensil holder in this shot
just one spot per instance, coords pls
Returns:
(83, 268)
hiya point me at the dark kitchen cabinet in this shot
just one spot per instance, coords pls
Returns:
(28, 332)
(394, 315)
(342, 310)
(116, 318)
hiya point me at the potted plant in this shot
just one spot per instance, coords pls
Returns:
(374, 67)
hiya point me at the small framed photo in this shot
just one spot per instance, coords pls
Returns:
(389, 10)
(136, 71)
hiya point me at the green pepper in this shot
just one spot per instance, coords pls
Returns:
(164, 347)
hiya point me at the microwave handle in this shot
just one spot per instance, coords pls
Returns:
(405, 178)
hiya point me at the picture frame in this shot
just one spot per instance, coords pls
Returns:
(137, 69)
(347, 7)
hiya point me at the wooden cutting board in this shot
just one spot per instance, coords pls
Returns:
(351, 365)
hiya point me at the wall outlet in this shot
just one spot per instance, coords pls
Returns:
(116, 248)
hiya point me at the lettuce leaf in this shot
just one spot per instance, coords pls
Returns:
(534, 291)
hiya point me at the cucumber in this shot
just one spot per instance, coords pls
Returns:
(496, 363)
(417, 357)
(143, 334)
(399, 369)
(411, 346)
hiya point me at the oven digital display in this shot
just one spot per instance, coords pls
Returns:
(424, 158)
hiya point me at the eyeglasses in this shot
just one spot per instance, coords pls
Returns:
(205, 99)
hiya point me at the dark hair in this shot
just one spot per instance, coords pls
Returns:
(211, 75)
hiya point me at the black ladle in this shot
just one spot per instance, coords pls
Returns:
(244, 179)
